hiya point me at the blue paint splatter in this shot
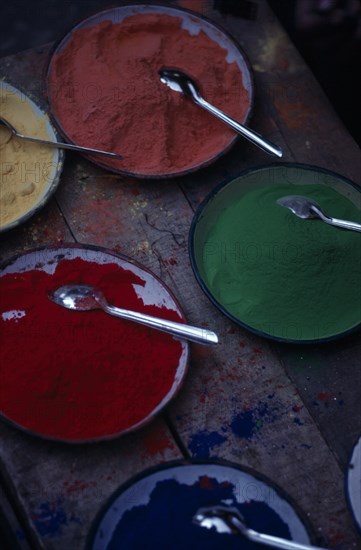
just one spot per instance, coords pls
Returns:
(298, 421)
(49, 518)
(247, 423)
(244, 425)
(203, 442)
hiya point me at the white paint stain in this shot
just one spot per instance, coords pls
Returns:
(13, 315)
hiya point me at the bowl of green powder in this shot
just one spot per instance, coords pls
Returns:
(275, 274)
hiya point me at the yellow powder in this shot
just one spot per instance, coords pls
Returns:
(26, 169)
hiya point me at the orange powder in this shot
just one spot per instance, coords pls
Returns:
(105, 93)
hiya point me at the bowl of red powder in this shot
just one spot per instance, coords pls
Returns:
(84, 376)
(104, 89)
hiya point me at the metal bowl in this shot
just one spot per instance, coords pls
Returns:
(52, 169)
(195, 25)
(34, 327)
(282, 255)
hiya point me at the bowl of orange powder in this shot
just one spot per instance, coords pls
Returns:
(104, 89)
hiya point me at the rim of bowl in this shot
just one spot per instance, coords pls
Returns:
(357, 522)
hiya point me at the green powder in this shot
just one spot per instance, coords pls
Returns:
(287, 277)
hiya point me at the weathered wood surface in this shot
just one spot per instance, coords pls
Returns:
(291, 413)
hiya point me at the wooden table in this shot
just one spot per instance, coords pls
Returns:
(53, 491)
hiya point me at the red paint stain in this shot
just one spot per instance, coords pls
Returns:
(170, 261)
(205, 482)
(322, 396)
(77, 486)
(257, 350)
(336, 537)
(242, 345)
(295, 114)
(157, 442)
(297, 408)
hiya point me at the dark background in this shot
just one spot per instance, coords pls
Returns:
(332, 50)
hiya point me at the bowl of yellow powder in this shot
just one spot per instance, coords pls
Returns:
(271, 272)
(29, 172)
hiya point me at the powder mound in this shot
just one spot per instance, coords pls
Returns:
(105, 93)
(287, 277)
(173, 504)
(80, 375)
(26, 169)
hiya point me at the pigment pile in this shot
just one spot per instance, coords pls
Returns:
(85, 375)
(26, 169)
(280, 275)
(105, 93)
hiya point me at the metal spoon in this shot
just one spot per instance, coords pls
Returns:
(306, 208)
(180, 82)
(58, 144)
(86, 298)
(229, 520)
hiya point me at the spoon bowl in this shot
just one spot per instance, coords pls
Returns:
(308, 209)
(14, 133)
(227, 519)
(180, 82)
(87, 298)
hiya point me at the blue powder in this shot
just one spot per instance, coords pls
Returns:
(203, 442)
(298, 421)
(247, 423)
(50, 518)
(166, 521)
(244, 425)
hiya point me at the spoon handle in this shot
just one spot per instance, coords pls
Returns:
(195, 334)
(277, 542)
(345, 224)
(240, 128)
(70, 146)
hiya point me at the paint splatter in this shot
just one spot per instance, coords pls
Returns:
(157, 443)
(203, 442)
(244, 425)
(77, 486)
(298, 421)
(49, 518)
(249, 422)
(323, 396)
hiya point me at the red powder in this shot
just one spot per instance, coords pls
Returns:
(323, 396)
(80, 375)
(157, 442)
(105, 92)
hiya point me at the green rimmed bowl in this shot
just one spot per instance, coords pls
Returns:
(272, 273)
